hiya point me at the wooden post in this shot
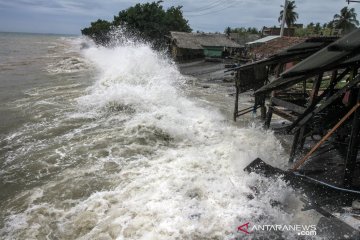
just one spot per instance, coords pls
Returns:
(269, 112)
(352, 151)
(263, 111)
(236, 110)
(302, 138)
(324, 94)
(304, 119)
(279, 69)
(315, 89)
(342, 120)
(304, 87)
(333, 82)
(299, 138)
(294, 146)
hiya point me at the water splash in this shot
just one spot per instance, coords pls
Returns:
(146, 161)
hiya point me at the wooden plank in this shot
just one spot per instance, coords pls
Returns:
(284, 114)
(291, 106)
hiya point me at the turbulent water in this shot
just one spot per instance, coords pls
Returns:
(112, 143)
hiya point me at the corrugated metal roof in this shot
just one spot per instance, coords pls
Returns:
(334, 54)
(263, 40)
(198, 40)
(298, 51)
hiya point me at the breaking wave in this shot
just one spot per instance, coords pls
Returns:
(146, 161)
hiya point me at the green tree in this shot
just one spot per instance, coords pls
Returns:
(317, 28)
(252, 30)
(98, 31)
(227, 31)
(151, 21)
(291, 15)
(346, 20)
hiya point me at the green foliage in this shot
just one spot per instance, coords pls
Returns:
(317, 28)
(346, 20)
(241, 30)
(313, 29)
(149, 20)
(227, 31)
(98, 31)
(291, 15)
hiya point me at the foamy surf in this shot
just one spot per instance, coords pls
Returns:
(134, 157)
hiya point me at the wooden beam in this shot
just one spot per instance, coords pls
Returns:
(329, 101)
(284, 114)
(236, 110)
(352, 151)
(294, 146)
(269, 112)
(333, 81)
(291, 106)
(342, 120)
(313, 105)
(316, 86)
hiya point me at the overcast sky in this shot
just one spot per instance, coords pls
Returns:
(69, 16)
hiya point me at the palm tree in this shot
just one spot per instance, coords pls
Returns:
(291, 15)
(346, 20)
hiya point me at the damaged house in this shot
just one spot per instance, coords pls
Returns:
(186, 46)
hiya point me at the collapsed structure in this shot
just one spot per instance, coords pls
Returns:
(314, 86)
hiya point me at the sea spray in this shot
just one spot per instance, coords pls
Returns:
(135, 157)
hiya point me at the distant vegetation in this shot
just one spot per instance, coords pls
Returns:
(242, 30)
(149, 20)
(345, 21)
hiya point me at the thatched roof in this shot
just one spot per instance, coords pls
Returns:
(200, 40)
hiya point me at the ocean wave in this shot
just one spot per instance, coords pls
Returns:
(136, 158)
(68, 65)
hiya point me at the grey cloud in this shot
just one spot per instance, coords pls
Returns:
(207, 15)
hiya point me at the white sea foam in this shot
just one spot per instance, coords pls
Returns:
(175, 165)
(67, 65)
(197, 188)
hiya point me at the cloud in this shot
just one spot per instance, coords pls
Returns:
(53, 6)
(206, 15)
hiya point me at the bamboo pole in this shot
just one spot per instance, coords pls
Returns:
(305, 158)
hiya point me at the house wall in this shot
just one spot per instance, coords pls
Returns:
(182, 54)
(213, 51)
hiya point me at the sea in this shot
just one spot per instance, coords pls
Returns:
(115, 143)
